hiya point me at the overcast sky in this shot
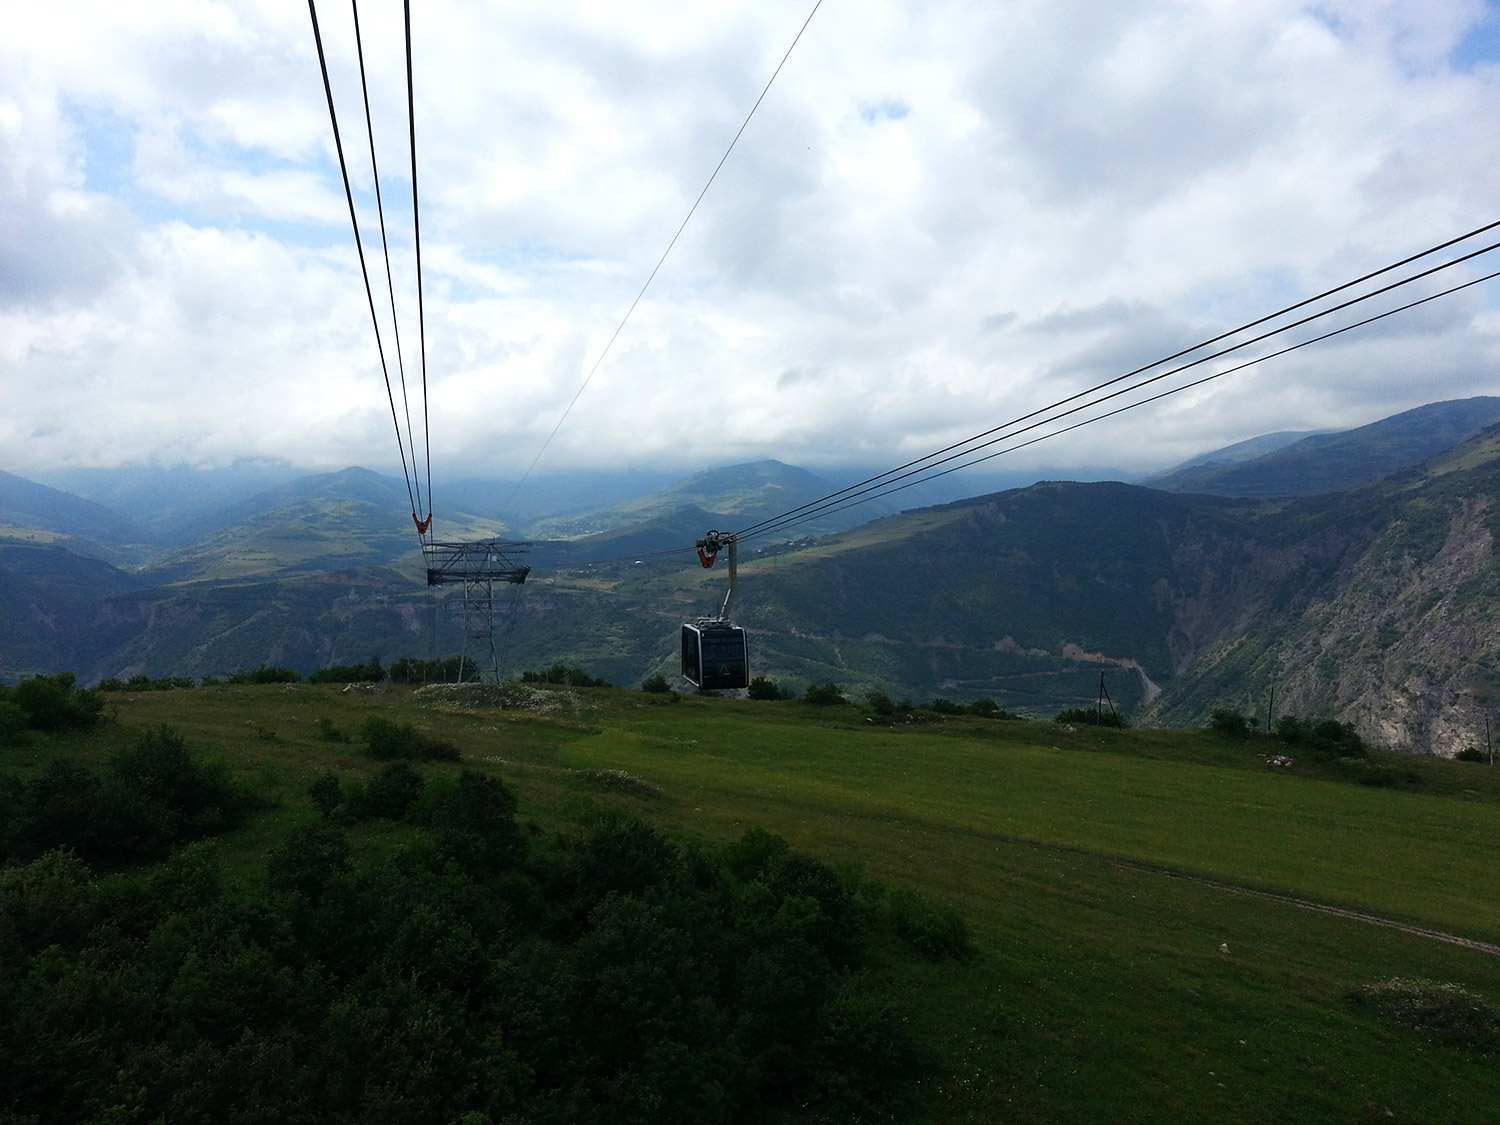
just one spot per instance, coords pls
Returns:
(943, 215)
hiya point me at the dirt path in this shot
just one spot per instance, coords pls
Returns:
(1321, 908)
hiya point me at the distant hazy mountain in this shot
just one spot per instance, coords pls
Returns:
(328, 521)
(161, 499)
(35, 513)
(731, 497)
(1235, 454)
(1331, 462)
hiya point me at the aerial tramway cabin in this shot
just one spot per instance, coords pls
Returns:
(715, 656)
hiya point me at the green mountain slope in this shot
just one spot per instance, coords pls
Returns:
(1332, 462)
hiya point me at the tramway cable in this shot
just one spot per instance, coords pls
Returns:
(416, 232)
(891, 474)
(717, 638)
(389, 281)
(844, 506)
(660, 261)
(359, 247)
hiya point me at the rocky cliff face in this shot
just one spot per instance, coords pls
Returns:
(1380, 607)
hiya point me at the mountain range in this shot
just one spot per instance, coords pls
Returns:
(1353, 575)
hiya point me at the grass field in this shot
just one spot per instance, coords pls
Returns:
(1104, 988)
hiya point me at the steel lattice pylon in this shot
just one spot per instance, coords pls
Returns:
(478, 565)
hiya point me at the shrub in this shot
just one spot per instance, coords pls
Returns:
(12, 722)
(824, 695)
(453, 669)
(1467, 754)
(881, 703)
(943, 707)
(1391, 777)
(387, 741)
(1232, 723)
(935, 931)
(330, 733)
(389, 795)
(265, 674)
(566, 675)
(1090, 716)
(53, 703)
(474, 823)
(327, 793)
(656, 684)
(369, 672)
(1328, 738)
(763, 687)
(988, 709)
(1435, 1008)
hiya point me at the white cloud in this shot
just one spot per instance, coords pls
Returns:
(942, 216)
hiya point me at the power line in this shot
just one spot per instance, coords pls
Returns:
(848, 496)
(655, 269)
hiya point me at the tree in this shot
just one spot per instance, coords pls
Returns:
(53, 703)
(763, 687)
(327, 793)
(1232, 723)
(475, 823)
(824, 695)
(389, 794)
(310, 858)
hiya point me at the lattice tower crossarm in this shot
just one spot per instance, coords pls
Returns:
(478, 565)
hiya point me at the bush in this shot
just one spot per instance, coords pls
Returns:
(881, 703)
(824, 695)
(1328, 738)
(1434, 1008)
(1471, 754)
(150, 798)
(369, 672)
(1232, 723)
(328, 732)
(53, 703)
(265, 674)
(388, 741)
(763, 687)
(563, 674)
(989, 709)
(656, 684)
(143, 682)
(12, 722)
(1090, 716)
(943, 707)
(935, 931)
(327, 793)
(453, 669)
(1391, 777)
(389, 795)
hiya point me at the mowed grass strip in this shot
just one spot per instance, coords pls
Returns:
(1410, 856)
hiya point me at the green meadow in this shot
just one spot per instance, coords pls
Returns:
(1104, 985)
